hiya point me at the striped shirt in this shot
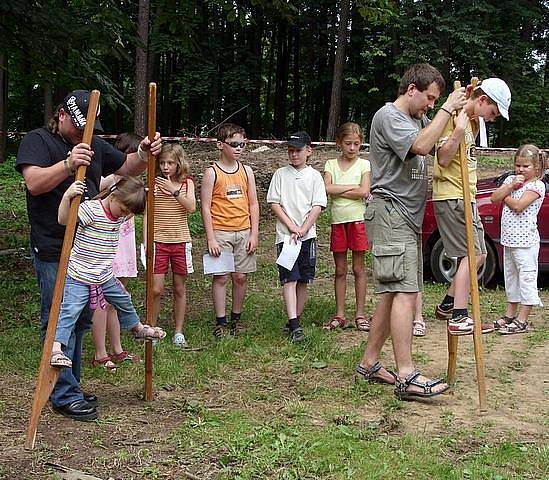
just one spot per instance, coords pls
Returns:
(170, 217)
(95, 244)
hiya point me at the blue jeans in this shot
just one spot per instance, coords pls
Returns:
(67, 388)
(76, 298)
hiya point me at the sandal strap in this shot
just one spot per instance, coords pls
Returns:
(411, 379)
(367, 373)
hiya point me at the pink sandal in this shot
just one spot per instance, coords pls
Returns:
(335, 323)
(124, 356)
(104, 362)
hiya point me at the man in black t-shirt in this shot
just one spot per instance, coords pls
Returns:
(48, 158)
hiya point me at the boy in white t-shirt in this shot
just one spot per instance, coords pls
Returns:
(297, 197)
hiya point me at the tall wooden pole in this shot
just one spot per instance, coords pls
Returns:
(475, 299)
(151, 173)
(48, 375)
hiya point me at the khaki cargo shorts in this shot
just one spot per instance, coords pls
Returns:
(450, 216)
(236, 242)
(396, 249)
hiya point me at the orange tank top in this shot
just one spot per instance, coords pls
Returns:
(230, 208)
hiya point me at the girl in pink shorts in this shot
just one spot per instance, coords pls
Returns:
(174, 198)
(347, 181)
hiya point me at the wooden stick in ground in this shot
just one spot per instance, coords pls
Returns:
(475, 298)
(151, 173)
(48, 375)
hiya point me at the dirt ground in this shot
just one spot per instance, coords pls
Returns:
(517, 406)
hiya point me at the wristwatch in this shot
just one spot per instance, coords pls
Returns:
(176, 193)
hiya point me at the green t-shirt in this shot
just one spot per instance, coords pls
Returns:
(346, 210)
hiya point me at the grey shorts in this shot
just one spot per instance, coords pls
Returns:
(451, 225)
(396, 249)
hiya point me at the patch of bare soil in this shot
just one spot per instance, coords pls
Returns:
(132, 438)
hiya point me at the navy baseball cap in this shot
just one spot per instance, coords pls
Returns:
(76, 105)
(299, 140)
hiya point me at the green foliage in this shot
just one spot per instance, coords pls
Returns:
(210, 58)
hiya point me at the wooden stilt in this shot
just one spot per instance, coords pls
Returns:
(48, 375)
(475, 299)
(151, 173)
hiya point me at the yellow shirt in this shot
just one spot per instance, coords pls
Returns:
(447, 180)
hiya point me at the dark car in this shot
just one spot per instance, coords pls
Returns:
(443, 267)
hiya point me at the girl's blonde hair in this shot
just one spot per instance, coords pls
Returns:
(175, 152)
(349, 128)
(130, 192)
(534, 154)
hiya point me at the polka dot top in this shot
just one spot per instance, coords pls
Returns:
(520, 229)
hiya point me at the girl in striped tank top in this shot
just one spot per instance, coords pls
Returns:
(90, 277)
(174, 198)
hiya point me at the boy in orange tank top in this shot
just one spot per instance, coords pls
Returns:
(230, 212)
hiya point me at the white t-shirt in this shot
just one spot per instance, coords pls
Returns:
(297, 192)
(520, 229)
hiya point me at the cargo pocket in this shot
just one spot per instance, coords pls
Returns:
(389, 262)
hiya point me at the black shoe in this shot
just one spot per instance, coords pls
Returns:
(77, 410)
(91, 399)
(297, 335)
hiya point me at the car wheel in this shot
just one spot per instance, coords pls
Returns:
(443, 267)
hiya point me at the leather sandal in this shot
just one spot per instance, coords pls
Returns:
(105, 362)
(335, 323)
(362, 323)
(503, 321)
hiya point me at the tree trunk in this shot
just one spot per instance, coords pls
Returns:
(3, 105)
(281, 87)
(296, 125)
(339, 62)
(48, 101)
(140, 113)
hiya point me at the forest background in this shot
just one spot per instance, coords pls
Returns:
(280, 65)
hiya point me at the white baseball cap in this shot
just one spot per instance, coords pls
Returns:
(499, 92)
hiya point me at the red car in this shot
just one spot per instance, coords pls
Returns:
(443, 267)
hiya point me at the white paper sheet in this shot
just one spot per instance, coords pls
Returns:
(483, 137)
(222, 264)
(290, 252)
(143, 257)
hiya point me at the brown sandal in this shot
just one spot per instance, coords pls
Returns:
(362, 323)
(335, 323)
(503, 321)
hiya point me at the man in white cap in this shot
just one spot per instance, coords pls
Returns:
(490, 99)
(48, 158)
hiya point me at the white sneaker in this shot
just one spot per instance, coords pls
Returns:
(179, 340)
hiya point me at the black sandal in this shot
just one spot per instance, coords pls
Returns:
(369, 374)
(401, 388)
(220, 331)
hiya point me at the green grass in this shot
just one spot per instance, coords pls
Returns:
(259, 407)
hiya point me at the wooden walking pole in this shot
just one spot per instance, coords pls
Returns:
(151, 174)
(475, 299)
(48, 375)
